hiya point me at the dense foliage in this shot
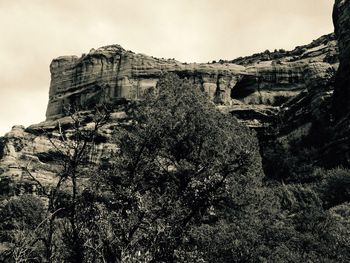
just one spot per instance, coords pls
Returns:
(181, 164)
(186, 185)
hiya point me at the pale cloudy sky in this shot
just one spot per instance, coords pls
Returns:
(33, 32)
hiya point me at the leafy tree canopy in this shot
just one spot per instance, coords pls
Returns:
(181, 163)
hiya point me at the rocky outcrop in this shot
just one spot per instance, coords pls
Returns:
(337, 151)
(112, 74)
(314, 126)
(34, 153)
(309, 106)
(262, 91)
(341, 18)
(323, 49)
(19, 151)
(293, 84)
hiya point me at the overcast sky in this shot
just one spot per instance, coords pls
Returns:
(33, 32)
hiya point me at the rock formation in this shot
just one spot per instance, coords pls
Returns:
(341, 18)
(316, 122)
(263, 88)
(111, 74)
(34, 149)
(337, 151)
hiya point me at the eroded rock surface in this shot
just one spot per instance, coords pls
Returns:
(111, 73)
(261, 83)
(290, 86)
(34, 153)
(315, 125)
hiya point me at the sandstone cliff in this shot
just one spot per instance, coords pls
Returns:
(287, 86)
(260, 84)
(111, 73)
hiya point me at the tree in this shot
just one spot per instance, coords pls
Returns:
(181, 163)
(19, 231)
(72, 148)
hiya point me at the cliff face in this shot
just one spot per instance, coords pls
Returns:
(315, 124)
(292, 86)
(260, 84)
(111, 73)
(337, 150)
(341, 18)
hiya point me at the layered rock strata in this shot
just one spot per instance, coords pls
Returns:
(111, 74)
(259, 91)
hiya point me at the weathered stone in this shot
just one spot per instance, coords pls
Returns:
(259, 91)
(111, 73)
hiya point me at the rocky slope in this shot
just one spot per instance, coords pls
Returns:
(35, 151)
(315, 125)
(322, 49)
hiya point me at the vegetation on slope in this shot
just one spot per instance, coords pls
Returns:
(186, 185)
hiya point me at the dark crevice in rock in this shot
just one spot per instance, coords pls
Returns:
(117, 90)
(246, 86)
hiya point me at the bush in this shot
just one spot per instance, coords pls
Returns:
(26, 209)
(335, 187)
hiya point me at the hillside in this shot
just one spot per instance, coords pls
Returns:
(286, 147)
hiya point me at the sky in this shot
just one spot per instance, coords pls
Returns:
(34, 32)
